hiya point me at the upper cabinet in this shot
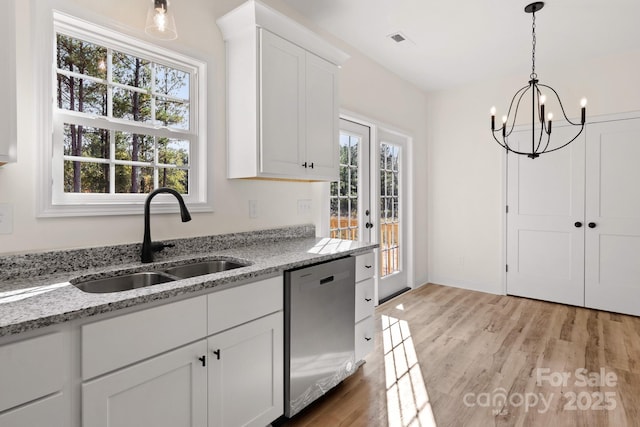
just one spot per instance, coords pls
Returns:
(282, 97)
(8, 87)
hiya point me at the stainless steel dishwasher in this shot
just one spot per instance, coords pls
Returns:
(319, 330)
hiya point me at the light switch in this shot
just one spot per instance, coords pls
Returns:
(6, 218)
(253, 209)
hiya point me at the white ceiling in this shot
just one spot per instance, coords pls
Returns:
(454, 42)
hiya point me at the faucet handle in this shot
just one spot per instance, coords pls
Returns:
(158, 246)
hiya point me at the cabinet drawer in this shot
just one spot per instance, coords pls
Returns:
(235, 306)
(364, 299)
(365, 334)
(52, 411)
(365, 266)
(112, 343)
(33, 368)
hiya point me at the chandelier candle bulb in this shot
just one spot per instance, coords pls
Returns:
(493, 118)
(583, 104)
(549, 118)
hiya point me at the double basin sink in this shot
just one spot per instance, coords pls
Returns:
(142, 279)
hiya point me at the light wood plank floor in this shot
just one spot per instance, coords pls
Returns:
(451, 357)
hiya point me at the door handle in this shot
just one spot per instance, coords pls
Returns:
(368, 225)
(592, 225)
(578, 224)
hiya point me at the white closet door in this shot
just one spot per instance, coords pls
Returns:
(612, 254)
(545, 249)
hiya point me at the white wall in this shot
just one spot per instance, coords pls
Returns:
(366, 88)
(466, 166)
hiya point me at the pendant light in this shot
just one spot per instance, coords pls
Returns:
(540, 137)
(160, 22)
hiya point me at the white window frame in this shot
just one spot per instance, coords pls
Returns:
(52, 200)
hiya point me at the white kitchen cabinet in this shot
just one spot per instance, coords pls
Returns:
(365, 304)
(8, 116)
(246, 374)
(214, 359)
(282, 97)
(169, 390)
(33, 378)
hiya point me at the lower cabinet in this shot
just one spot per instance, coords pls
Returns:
(246, 374)
(34, 382)
(165, 391)
(214, 360)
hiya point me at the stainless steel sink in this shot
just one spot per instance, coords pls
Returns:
(148, 278)
(203, 267)
(124, 283)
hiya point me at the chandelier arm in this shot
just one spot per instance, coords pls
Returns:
(537, 150)
(506, 147)
(569, 142)
(547, 144)
(522, 92)
(561, 106)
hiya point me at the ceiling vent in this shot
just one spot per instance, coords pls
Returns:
(397, 37)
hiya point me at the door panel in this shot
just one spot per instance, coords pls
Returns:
(391, 228)
(545, 250)
(349, 196)
(613, 206)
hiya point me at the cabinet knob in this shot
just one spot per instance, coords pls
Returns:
(592, 225)
(578, 224)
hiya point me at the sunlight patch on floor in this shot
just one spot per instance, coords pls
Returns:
(407, 398)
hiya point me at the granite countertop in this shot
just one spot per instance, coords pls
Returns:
(28, 303)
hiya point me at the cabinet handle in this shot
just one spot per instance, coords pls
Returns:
(368, 266)
(217, 353)
(304, 165)
(367, 338)
(311, 165)
(203, 359)
(367, 299)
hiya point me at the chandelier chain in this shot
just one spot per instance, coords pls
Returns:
(533, 75)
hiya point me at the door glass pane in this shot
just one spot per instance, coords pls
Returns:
(389, 209)
(344, 193)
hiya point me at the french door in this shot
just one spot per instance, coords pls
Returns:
(366, 203)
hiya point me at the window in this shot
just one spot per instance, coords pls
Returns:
(126, 120)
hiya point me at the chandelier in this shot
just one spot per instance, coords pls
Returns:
(541, 137)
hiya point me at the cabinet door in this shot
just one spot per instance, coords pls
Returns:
(166, 391)
(322, 151)
(8, 87)
(246, 382)
(282, 107)
(612, 220)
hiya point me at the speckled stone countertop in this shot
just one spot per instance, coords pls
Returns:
(36, 290)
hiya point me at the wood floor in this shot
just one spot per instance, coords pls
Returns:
(452, 357)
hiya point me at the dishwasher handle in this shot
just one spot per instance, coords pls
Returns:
(328, 279)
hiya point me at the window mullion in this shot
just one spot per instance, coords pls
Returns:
(112, 165)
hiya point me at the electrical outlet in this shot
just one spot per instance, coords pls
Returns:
(6, 218)
(304, 207)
